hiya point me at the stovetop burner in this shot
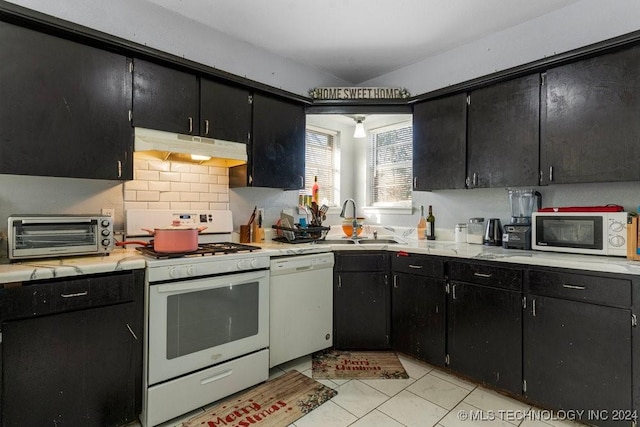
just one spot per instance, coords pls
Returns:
(204, 249)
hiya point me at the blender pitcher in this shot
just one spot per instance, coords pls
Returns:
(523, 203)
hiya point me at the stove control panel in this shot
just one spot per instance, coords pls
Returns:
(190, 268)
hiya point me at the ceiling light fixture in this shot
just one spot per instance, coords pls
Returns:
(359, 131)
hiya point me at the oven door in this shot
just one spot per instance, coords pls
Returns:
(195, 324)
(569, 232)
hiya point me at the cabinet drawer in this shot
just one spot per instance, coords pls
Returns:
(485, 274)
(581, 287)
(418, 264)
(57, 296)
(361, 261)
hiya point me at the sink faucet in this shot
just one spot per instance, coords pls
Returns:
(355, 225)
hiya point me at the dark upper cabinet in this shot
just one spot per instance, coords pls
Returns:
(277, 149)
(591, 129)
(225, 111)
(165, 98)
(65, 108)
(439, 143)
(361, 301)
(577, 343)
(503, 134)
(484, 321)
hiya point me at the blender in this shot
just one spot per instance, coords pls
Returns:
(517, 234)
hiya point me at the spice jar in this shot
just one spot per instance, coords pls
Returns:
(460, 232)
(475, 230)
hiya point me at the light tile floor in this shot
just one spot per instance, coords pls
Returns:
(430, 397)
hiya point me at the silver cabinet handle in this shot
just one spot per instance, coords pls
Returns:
(475, 179)
(580, 288)
(484, 275)
(453, 292)
(77, 294)
(119, 168)
(339, 281)
(415, 181)
(395, 280)
(533, 308)
(132, 333)
(190, 124)
(206, 127)
(415, 266)
(301, 181)
(550, 173)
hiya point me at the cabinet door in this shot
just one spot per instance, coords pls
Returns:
(361, 311)
(278, 148)
(591, 129)
(65, 108)
(165, 98)
(440, 143)
(418, 322)
(225, 111)
(503, 134)
(577, 355)
(485, 334)
(79, 367)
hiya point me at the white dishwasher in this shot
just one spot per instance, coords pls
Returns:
(301, 306)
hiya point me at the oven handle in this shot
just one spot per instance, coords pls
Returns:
(200, 284)
(216, 377)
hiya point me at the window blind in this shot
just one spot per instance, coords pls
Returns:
(319, 156)
(390, 169)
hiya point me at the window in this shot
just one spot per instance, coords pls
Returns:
(320, 157)
(389, 165)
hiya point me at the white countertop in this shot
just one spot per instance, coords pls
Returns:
(48, 268)
(129, 259)
(470, 251)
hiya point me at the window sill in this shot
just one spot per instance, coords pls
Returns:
(387, 210)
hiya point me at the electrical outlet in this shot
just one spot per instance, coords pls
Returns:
(109, 212)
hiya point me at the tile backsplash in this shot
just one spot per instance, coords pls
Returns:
(172, 185)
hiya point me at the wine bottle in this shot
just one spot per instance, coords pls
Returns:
(431, 225)
(315, 191)
(422, 225)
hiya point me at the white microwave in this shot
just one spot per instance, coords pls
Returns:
(594, 233)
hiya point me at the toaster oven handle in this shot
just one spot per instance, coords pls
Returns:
(60, 220)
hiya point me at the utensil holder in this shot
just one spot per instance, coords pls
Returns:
(245, 234)
(632, 238)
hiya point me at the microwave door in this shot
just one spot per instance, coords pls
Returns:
(580, 232)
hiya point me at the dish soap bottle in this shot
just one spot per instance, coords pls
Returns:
(431, 225)
(315, 191)
(422, 225)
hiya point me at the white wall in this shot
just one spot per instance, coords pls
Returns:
(577, 25)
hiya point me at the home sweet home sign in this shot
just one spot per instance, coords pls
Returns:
(358, 93)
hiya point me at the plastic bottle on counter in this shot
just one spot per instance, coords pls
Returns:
(460, 233)
(315, 191)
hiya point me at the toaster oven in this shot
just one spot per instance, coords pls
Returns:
(43, 236)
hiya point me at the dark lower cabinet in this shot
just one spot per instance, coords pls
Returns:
(361, 301)
(78, 368)
(484, 322)
(577, 350)
(65, 108)
(418, 307)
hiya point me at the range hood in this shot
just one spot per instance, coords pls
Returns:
(167, 146)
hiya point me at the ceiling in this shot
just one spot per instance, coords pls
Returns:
(357, 40)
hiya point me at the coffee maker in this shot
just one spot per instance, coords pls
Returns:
(517, 234)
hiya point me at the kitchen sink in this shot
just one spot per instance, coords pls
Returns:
(335, 242)
(377, 241)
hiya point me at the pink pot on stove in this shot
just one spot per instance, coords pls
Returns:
(175, 239)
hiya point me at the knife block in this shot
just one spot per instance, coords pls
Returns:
(632, 239)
